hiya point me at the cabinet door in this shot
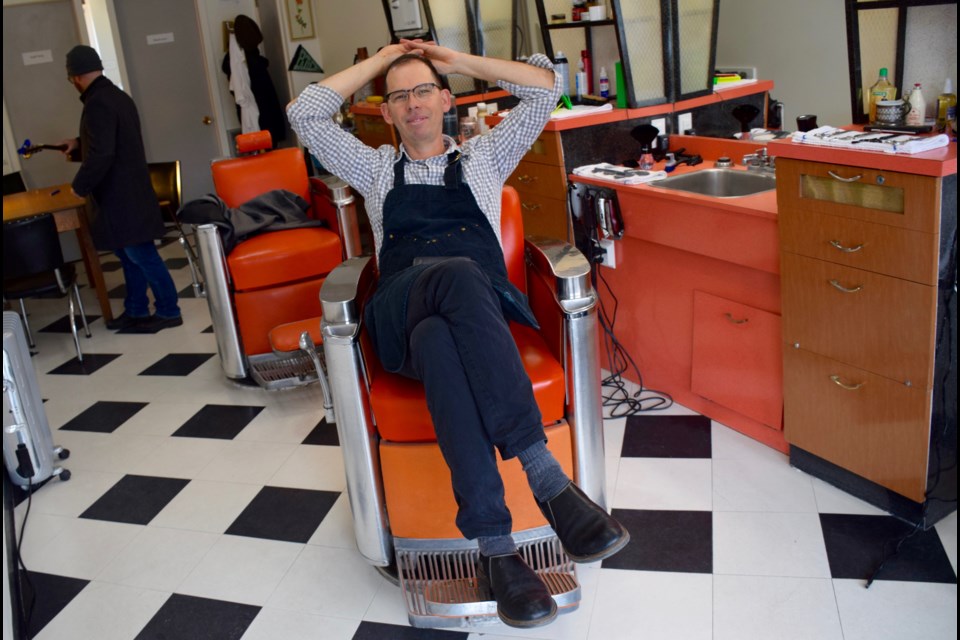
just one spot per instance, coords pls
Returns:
(543, 216)
(872, 321)
(736, 357)
(539, 179)
(865, 423)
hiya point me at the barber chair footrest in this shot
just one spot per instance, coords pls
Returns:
(440, 587)
(272, 371)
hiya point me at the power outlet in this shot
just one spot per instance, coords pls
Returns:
(660, 124)
(684, 122)
(610, 257)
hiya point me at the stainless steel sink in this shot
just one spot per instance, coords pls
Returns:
(720, 183)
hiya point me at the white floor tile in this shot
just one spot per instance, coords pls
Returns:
(772, 607)
(768, 483)
(239, 569)
(111, 452)
(664, 483)
(158, 558)
(336, 530)
(105, 612)
(279, 624)
(730, 444)
(81, 549)
(891, 610)
(246, 462)
(73, 497)
(279, 427)
(179, 457)
(833, 500)
(312, 467)
(769, 544)
(160, 418)
(206, 506)
(328, 582)
(947, 530)
(652, 606)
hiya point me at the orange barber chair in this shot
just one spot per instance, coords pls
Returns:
(397, 481)
(263, 296)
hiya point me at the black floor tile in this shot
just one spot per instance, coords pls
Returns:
(666, 437)
(191, 618)
(62, 325)
(176, 263)
(280, 513)
(680, 541)
(208, 329)
(323, 434)
(187, 292)
(48, 594)
(857, 544)
(104, 416)
(135, 499)
(91, 363)
(111, 266)
(176, 364)
(380, 631)
(218, 421)
(118, 293)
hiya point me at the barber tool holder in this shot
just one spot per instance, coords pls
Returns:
(595, 212)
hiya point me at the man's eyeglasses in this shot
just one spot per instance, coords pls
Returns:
(421, 91)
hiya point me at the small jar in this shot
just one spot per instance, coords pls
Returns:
(468, 128)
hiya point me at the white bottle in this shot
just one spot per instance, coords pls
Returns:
(604, 83)
(562, 68)
(482, 118)
(581, 79)
(918, 107)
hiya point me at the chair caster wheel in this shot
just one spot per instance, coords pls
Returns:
(64, 475)
(64, 454)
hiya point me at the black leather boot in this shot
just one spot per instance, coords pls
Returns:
(587, 532)
(522, 598)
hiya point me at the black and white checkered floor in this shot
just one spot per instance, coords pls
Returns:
(197, 509)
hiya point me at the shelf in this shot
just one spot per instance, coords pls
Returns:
(582, 23)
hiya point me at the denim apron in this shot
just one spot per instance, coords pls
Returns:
(422, 225)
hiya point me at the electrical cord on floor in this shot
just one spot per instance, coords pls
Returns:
(27, 614)
(619, 361)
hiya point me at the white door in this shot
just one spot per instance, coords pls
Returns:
(167, 78)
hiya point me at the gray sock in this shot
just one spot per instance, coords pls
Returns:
(496, 545)
(544, 473)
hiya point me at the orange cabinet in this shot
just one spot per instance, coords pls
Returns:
(541, 181)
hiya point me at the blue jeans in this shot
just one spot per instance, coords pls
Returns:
(478, 392)
(143, 266)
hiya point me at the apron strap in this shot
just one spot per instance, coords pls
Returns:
(452, 175)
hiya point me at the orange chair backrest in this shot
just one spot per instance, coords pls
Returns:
(237, 180)
(511, 233)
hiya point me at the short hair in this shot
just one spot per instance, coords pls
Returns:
(408, 58)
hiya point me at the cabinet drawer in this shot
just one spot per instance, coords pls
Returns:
(911, 255)
(872, 426)
(879, 323)
(544, 216)
(896, 199)
(541, 179)
(737, 357)
(546, 149)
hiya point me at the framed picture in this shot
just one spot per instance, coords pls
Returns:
(300, 16)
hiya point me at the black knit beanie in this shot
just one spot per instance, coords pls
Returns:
(83, 59)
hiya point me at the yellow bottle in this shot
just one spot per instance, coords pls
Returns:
(882, 89)
(946, 106)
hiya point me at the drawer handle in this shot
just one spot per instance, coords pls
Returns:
(730, 317)
(530, 207)
(836, 245)
(526, 179)
(849, 387)
(836, 177)
(839, 287)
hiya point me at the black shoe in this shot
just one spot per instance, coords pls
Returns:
(153, 324)
(587, 532)
(123, 321)
(522, 598)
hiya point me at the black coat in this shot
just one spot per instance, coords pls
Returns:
(121, 204)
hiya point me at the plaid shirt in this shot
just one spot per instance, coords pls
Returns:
(488, 160)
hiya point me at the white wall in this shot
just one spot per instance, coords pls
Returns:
(801, 46)
(346, 26)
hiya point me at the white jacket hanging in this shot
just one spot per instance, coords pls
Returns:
(240, 86)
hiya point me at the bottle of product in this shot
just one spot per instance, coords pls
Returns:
(588, 67)
(482, 118)
(604, 83)
(882, 89)
(563, 70)
(918, 107)
(579, 8)
(946, 106)
(581, 79)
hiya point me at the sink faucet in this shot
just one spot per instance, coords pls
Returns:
(759, 160)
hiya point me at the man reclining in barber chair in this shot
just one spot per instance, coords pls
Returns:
(442, 304)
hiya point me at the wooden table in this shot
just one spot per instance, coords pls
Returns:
(68, 212)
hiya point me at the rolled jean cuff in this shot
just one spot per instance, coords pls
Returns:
(513, 449)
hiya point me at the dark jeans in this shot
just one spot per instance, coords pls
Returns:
(143, 266)
(478, 393)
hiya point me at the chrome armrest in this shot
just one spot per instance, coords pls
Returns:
(216, 278)
(340, 196)
(564, 262)
(341, 296)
